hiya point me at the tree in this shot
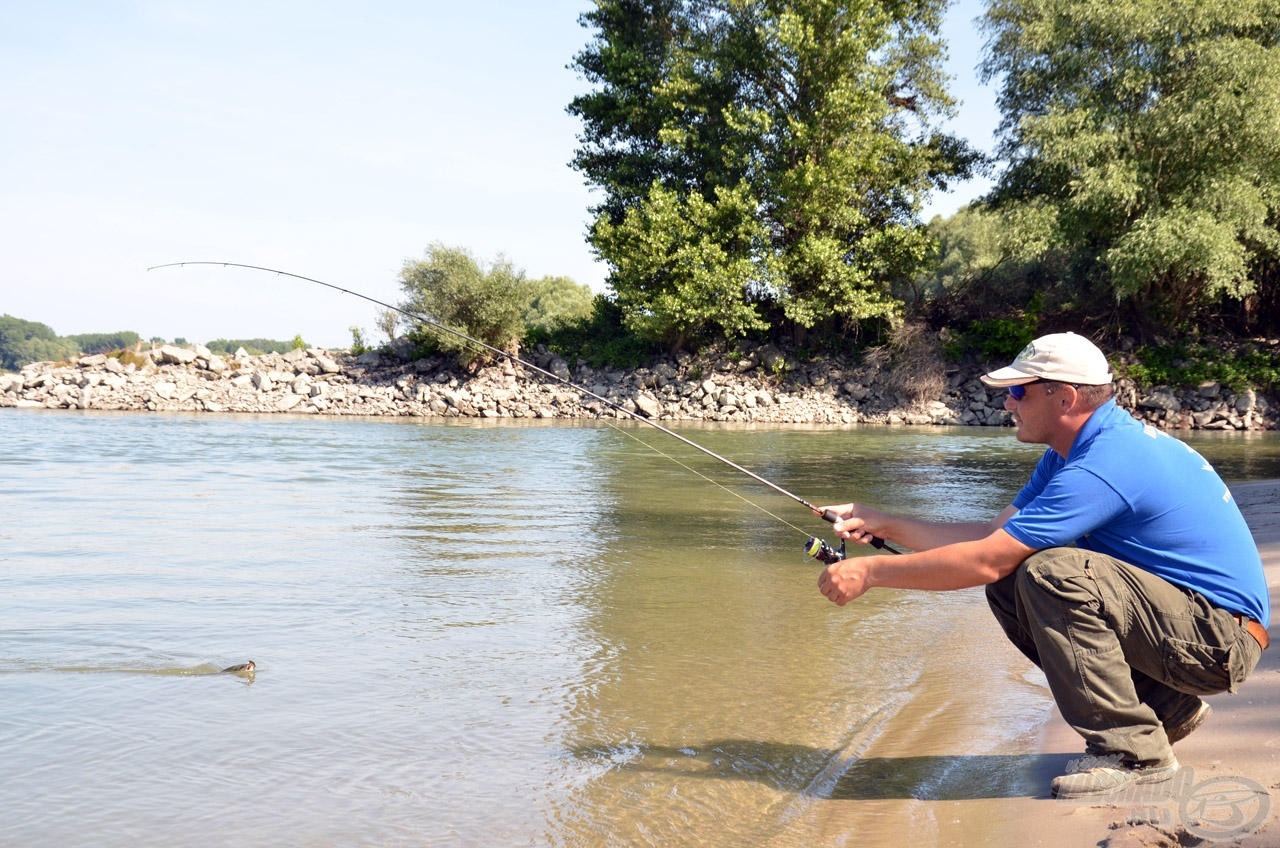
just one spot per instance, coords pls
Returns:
(23, 342)
(388, 322)
(556, 302)
(1150, 129)
(453, 289)
(761, 159)
(989, 262)
(105, 342)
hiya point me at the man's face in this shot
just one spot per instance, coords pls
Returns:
(1035, 413)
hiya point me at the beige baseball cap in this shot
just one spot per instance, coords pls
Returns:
(1065, 357)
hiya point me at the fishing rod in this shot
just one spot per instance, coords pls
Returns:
(815, 547)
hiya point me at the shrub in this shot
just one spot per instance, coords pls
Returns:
(451, 288)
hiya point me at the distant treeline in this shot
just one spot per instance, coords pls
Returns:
(23, 342)
(255, 346)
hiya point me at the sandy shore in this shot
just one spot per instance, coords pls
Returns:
(1229, 761)
(937, 777)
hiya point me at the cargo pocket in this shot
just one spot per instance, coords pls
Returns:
(1201, 669)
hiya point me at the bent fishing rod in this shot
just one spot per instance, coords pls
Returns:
(815, 547)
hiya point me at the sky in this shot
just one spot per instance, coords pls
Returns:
(331, 140)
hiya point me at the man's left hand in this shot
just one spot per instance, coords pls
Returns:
(845, 580)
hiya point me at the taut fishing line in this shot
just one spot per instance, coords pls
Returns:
(814, 547)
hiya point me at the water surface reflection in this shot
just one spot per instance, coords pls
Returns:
(476, 633)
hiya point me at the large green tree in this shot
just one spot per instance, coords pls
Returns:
(761, 161)
(1151, 130)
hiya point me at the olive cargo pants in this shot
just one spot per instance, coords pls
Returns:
(1122, 649)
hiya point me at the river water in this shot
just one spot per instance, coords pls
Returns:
(486, 633)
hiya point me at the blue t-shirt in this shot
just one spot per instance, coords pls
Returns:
(1137, 494)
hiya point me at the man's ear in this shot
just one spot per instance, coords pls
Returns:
(1070, 396)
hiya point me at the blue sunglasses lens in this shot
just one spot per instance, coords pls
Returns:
(1017, 392)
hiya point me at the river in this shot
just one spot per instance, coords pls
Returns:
(483, 633)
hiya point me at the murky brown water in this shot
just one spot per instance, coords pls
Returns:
(470, 634)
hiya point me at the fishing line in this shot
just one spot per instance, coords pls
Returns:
(815, 548)
(710, 480)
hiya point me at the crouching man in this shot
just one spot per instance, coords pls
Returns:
(1123, 568)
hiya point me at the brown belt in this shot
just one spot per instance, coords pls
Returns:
(1256, 630)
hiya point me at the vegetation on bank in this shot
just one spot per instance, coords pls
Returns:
(23, 341)
(759, 168)
(762, 165)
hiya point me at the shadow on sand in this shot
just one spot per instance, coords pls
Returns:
(818, 772)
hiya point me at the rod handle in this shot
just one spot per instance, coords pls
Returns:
(876, 542)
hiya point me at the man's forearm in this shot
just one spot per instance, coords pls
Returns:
(956, 566)
(926, 535)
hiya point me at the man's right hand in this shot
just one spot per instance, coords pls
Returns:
(856, 523)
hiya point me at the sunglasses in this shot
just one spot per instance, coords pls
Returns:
(1019, 392)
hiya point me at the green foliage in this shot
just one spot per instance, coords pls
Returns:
(674, 270)
(1190, 364)
(451, 288)
(1150, 128)
(126, 356)
(761, 159)
(23, 342)
(990, 262)
(358, 344)
(556, 302)
(388, 322)
(104, 342)
(599, 339)
(993, 339)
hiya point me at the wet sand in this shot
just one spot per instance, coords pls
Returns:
(943, 790)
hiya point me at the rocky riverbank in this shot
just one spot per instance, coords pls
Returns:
(755, 385)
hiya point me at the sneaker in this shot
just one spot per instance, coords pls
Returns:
(1110, 777)
(1181, 726)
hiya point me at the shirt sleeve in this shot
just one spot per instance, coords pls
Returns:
(1040, 477)
(1068, 507)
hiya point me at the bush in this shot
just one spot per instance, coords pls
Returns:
(600, 338)
(556, 302)
(452, 289)
(992, 338)
(1185, 364)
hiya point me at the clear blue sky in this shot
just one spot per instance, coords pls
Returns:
(334, 140)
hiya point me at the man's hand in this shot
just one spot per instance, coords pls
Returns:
(845, 580)
(857, 523)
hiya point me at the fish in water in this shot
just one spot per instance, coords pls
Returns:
(242, 668)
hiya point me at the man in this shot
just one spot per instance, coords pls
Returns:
(1123, 568)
